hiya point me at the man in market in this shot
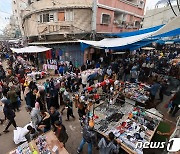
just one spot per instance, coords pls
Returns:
(54, 116)
(69, 106)
(13, 97)
(175, 104)
(60, 132)
(153, 91)
(89, 136)
(35, 114)
(108, 147)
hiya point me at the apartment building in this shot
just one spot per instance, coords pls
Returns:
(55, 22)
(18, 6)
(159, 16)
(119, 15)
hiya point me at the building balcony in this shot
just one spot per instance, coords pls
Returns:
(61, 27)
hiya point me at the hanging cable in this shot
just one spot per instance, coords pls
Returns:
(178, 5)
(169, 1)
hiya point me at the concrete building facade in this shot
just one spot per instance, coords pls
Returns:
(159, 16)
(44, 18)
(119, 15)
(57, 21)
(18, 7)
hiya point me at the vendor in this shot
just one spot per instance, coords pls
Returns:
(60, 132)
(45, 123)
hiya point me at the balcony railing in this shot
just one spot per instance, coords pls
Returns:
(56, 27)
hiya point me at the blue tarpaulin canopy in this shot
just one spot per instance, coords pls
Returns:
(137, 39)
(138, 32)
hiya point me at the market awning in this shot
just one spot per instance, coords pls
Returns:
(118, 53)
(51, 42)
(148, 48)
(113, 43)
(137, 32)
(30, 49)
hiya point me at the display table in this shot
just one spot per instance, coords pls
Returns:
(46, 143)
(36, 75)
(129, 125)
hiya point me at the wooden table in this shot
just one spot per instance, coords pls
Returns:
(51, 141)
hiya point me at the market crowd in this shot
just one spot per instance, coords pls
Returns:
(70, 88)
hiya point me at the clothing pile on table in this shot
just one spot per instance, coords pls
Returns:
(89, 74)
(136, 92)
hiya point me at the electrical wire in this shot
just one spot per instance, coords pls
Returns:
(169, 1)
(178, 5)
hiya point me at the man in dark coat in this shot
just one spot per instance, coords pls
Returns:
(9, 114)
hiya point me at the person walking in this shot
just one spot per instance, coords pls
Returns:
(69, 107)
(9, 114)
(89, 137)
(175, 104)
(13, 97)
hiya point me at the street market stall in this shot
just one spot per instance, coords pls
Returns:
(46, 143)
(129, 124)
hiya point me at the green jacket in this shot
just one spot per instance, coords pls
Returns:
(12, 96)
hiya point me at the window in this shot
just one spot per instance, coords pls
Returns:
(61, 16)
(14, 2)
(69, 15)
(40, 18)
(44, 17)
(131, 18)
(106, 19)
(51, 17)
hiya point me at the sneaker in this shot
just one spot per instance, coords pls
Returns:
(6, 131)
(78, 151)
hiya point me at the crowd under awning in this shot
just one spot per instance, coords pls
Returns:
(30, 49)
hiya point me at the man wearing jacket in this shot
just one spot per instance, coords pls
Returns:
(175, 104)
(89, 136)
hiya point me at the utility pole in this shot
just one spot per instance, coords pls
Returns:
(94, 13)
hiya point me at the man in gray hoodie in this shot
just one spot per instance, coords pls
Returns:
(35, 115)
(108, 147)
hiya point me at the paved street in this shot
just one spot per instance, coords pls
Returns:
(72, 126)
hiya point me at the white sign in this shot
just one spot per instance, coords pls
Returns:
(172, 146)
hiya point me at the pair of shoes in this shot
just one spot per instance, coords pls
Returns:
(6, 131)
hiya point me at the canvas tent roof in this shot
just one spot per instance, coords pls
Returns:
(137, 32)
(30, 49)
(112, 43)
